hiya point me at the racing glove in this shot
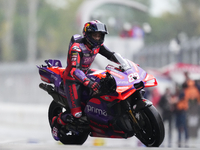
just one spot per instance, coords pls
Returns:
(91, 84)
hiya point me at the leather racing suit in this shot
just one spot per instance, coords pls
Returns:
(79, 60)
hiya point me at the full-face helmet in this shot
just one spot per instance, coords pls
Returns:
(94, 27)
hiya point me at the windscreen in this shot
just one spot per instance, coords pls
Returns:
(122, 61)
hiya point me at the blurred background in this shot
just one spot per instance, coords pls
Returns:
(163, 37)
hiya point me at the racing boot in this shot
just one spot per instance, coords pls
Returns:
(57, 122)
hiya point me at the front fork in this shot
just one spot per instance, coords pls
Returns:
(140, 103)
(127, 107)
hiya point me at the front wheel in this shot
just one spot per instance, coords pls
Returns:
(67, 137)
(152, 130)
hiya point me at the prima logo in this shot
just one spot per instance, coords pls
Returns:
(96, 110)
(122, 82)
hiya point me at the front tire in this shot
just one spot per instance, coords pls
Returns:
(152, 128)
(67, 136)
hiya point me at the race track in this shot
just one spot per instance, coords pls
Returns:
(63, 147)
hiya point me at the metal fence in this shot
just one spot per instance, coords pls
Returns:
(161, 54)
(20, 84)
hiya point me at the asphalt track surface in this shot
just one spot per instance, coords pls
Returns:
(63, 147)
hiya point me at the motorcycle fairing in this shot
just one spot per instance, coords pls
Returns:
(52, 75)
(97, 114)
(53, 67)
(99, 73)
(102, 122)
(125, 91)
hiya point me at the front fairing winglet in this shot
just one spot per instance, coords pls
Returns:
(150, 81)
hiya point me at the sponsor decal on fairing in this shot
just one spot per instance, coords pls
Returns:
(96, 110)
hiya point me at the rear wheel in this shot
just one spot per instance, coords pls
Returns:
(152, 128)
(66, 137)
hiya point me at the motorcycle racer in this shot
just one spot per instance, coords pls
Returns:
(81, 54)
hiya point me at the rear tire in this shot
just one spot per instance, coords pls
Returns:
(67, 137)
(153, 132)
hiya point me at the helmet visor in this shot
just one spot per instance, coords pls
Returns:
(101, 28)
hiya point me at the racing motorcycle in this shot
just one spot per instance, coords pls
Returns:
(118, 110)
